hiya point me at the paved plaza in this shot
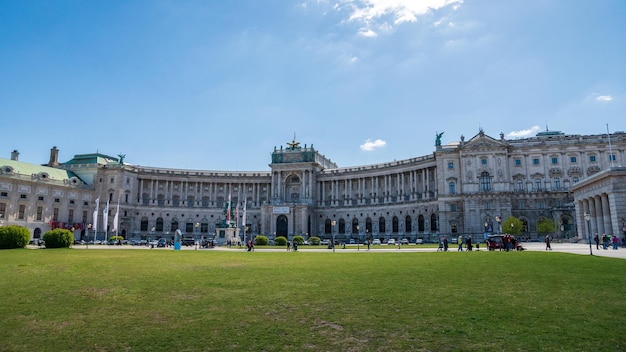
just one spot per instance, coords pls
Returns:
(574, 248)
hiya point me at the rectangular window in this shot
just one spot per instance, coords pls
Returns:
(86, 204)
(71, 201)
(84, 216)
(39, 216)
(450, 166)
(537, 185)
(4, 194)
(70, 216)
(3, 209)
(520, 185)
(483, 161)
(126, 197)
(535, 161)
(592, 158)
(112, 179)
(40, 198)
(452, 207)
(487, 205)
(518, 162)
(522, 204)
(21, 211)
(55, 214)
(557, 184)
(57, 200)
(23, 196)
(572, 159)
(555, 160)
(575, 179)
(612, 157)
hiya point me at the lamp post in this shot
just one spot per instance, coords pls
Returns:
(197, 226)
(88, 230)
(332, 233)
(587, 220)
(358, 240)
(499, 221)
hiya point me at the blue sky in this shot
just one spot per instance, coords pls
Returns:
(216, 85)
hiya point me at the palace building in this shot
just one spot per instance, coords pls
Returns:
(463, 188)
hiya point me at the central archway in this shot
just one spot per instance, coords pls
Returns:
(282, 226)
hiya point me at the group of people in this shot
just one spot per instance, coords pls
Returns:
(293, 245)
(607, 241)
(443, 244)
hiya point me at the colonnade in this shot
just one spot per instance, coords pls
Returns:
(598, 210)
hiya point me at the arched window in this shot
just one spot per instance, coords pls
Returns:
(420, 223)
(342, 226)
(381, 225)
(394, 224)
(485, 181)
(174, 225)
(355, 226)
(160, 200)
(433, 222)
(408, 226)
(368, 227)
(144, 224)
(175, 200)
(328, 227)
(159, 225)
(190, 201)
(451, 187)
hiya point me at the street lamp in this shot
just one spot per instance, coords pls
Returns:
(358, 240)
(499, 221)
(588, 219)
(196, 225)
(332, 233)
(88, 230)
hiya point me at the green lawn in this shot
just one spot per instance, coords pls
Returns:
(143, 300)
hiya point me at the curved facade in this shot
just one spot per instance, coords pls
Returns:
(461, 188)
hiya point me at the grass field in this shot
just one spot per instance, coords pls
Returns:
(142, 300)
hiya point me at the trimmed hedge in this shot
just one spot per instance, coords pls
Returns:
(14, 236)
(298, 239)
(261, 241)
(58, 238)
(280, 241)
(314, 240)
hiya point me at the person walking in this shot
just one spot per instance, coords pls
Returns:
(548, 247)
(460, 242)
(605, 241)
(445, 244)
(615, 241)
(288, 246)
(597, 241)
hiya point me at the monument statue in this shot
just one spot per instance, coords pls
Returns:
(438, 139)
(122, 156)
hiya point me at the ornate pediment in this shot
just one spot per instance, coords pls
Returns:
(482, 141)
(556, 173)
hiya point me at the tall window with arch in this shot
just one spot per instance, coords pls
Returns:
(485, 181)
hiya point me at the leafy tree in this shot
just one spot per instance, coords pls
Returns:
(58, 238)
(545, 226)
(512, 226)
(13, 236)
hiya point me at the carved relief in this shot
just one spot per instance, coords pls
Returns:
(593, 170)
(555, 172)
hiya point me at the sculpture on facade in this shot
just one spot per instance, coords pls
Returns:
(122, 156)
(438, 139)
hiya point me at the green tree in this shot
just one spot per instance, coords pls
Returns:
(545, 226)
(512, 226)
(13, 236)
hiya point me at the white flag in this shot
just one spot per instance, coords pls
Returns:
(228, 211)
(95, 216)
(105, 217)
(116, 219)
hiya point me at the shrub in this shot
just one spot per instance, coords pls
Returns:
(280, 241)
(298, 239)
(58, 238)
(261, 241)
(116, 238)
(13, 236)
(314, 240)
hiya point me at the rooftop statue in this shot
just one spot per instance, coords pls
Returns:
(438, 139)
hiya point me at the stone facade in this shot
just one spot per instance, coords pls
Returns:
(465, 187)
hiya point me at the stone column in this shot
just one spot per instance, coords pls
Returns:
(606, 214)
(598, 218)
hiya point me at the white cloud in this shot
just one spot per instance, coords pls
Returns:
(370, 145)
(524, 133)
(604, 98)
(368, 33)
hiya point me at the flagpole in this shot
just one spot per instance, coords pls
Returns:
(610, 148)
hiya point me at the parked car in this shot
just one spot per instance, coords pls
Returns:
(324, 242)
(188, 241)
(376, 241)
(391, 242)
(352, 241)
(162, 242)
(419, 241)
(404, 241)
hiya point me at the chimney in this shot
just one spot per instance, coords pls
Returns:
(15, 155)
(54, 157)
